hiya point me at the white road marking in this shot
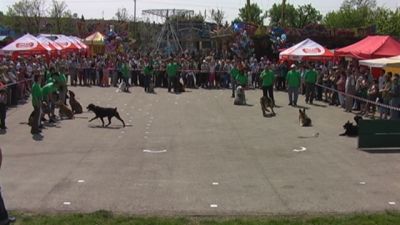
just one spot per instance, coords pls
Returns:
(147, 132)
(392, 203)
(215, 183)
(363, 183)
(154, 151)
(302, 149)
(81, 181)
(67, 203)
(213, 205)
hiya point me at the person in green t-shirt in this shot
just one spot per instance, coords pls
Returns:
(293, 80)
(172, 73)
(37, 98)
(268, 77)
(234, 72)
(148, 73)
(310, 78)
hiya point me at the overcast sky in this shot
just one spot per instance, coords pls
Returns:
(98, 8)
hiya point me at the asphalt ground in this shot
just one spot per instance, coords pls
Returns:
(194, 154)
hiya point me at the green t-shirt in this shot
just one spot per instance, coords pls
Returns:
(267, 77)
(241, 78)
(311, 76)
(48, 89)
(147, 71)
(234, 73)
(37, 94)
(293, 78)
(172, 69)
(125, 70)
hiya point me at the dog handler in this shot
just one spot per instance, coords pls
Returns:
(37, 97)
(293, 83)
(268, 78)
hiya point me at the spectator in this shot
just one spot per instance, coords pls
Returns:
(310, 79)
(3, 106)
(395, 97)
(350, 89)
(385, 96)
(4, 217)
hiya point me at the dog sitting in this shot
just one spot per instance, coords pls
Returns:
(122, 87)
(101, 112)
(240, 98)
(304, 120)
(75, 105)
(64, 111)
(266, 103)
(180, 86)
(351, 130)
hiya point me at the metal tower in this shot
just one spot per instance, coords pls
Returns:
(168, 41)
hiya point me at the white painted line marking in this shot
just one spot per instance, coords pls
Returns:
(392, 203)
(215, 183)
(302, 149)
(154, 151)
(363, 183)
(67, 203)
(147, 132)
(81, 181)
(213, 205)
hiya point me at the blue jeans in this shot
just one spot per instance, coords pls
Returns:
(293, 95)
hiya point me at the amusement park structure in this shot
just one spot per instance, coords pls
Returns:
(168, 40)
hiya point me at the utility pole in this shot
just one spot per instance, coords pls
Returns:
(283, 13)
(248, 10)
(134, 17)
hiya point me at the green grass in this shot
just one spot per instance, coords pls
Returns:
(106, 218)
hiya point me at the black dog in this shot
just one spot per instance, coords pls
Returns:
(104, 112)
(351, 130)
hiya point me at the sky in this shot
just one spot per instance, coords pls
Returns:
(108, 8)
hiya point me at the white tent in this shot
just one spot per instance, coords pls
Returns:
(26, 45)
(382, 62)
(306, 50)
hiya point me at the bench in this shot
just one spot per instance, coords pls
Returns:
(379, 134)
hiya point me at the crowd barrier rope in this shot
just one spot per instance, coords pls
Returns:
(360, 99)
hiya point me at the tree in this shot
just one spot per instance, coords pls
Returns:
(352, 14)
(307, 14)
(275, 14)
(251, 14)
(387, 21)
(294, 17)
(122, 15)
(217, 16)
(357, 4)
(58, 10)
(36, 12)
(19, 14)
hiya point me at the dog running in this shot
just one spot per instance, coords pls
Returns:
(102, 112)
(266, 103)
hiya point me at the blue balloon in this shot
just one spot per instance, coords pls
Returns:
(283, 37)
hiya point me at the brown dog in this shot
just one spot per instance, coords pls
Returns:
(304, 120)
(65, 111)
(75, 105)
(265, 104)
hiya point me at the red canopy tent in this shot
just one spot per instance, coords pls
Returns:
(55, 48)
(26, 45)
(371, 47)
(67, 44)
(306, 50)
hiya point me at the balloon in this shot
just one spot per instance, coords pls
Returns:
(283, 37)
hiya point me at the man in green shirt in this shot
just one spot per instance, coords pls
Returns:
(148, 73)
(310, 79)
(172, 72)
(293, 81)
(234, 72)
(37, 97)
(268, 77)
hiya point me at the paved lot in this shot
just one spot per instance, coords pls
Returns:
(220, 159)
